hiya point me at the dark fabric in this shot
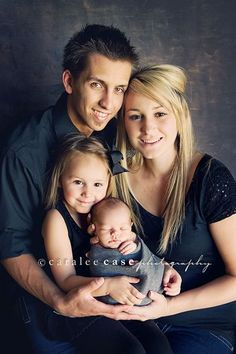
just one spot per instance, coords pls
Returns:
(192, 340)
(102, 335)
(79, 240)
(211, 197)
(148, 268)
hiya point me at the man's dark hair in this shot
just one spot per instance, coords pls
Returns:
(97, 39)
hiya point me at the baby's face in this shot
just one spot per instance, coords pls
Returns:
(113, 226)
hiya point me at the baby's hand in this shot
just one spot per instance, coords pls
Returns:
(91, 231)
(171, 281)
(121, 289)
(127, 247)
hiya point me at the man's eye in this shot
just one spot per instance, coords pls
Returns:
(96, 84)
(120, 90)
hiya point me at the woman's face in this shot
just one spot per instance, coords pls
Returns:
(151, 128)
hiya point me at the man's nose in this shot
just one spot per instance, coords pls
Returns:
(106, 100)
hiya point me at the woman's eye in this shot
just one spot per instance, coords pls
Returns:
(160, 114)
(135, 117)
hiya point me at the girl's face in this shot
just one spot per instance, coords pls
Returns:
(151, 128)
(84, 182)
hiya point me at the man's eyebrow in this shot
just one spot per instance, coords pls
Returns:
(95, 78)
(103, 82)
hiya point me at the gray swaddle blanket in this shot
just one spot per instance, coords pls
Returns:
(107, 262)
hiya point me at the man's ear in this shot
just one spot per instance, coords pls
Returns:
(67, 81)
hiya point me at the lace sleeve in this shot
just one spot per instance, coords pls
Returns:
(220, 193)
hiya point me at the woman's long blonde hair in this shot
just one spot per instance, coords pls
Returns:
(74, 145)
(164, 84)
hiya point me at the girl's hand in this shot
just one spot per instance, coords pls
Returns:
(127, 247)
(121, 290)
(171, 281)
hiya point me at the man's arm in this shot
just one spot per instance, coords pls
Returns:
(76, 303)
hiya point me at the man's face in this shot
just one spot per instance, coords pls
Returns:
(97, 94)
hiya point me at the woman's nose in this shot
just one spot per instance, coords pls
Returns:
(148, 125)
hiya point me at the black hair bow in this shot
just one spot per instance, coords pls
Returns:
(115, 156)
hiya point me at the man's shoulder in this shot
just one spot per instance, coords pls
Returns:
(31, 131)
(31, 141)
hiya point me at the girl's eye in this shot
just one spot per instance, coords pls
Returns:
(135, 117)
(96, 85)
(78, 182)
(98, 184)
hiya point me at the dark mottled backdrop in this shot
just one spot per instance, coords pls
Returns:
(199, 35)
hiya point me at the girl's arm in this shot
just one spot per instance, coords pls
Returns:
(60, 257)
(59, 252)
(217, 292)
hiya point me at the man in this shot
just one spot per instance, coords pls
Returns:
(97, 66)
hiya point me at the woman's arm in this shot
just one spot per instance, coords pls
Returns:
(217, 292)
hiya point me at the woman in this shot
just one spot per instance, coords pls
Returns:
(186, 204)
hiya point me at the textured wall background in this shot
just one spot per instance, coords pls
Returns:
(199, 35)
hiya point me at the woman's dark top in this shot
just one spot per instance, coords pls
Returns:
(79, 241)
(211, 198)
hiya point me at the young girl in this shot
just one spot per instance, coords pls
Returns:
(81, 178)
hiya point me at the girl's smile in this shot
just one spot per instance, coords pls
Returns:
(84, 182)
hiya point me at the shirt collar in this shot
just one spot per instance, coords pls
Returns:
(63, 124)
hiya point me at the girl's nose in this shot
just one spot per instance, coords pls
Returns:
(86, 192)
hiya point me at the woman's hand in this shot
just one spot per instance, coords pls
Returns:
(159, 307)
(121, 290)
